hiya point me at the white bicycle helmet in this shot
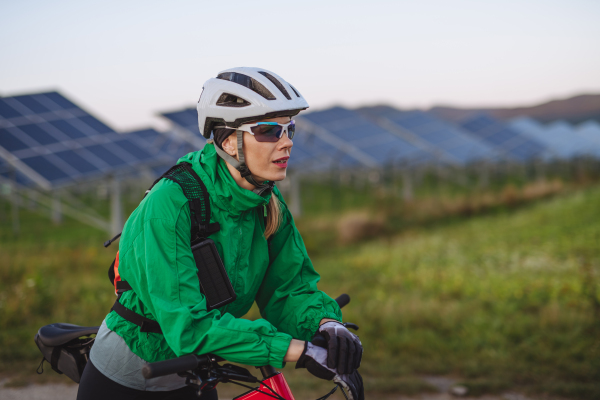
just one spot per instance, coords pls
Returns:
(240, 95)
(244, 94)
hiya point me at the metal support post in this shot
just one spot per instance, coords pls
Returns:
(15, 203)
(116, 208)
(15, 211)
(56, 208)
(407, 186)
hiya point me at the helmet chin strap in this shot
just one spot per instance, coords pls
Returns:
(240, 165)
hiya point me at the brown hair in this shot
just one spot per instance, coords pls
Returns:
(273, 216)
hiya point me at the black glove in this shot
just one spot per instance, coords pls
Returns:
(344, 347)
(314, 359)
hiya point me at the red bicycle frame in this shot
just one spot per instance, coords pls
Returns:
(275, 382)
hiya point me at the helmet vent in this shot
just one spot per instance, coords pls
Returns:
(229, 100)
(276, 83)
(295, 91)
(248, 82)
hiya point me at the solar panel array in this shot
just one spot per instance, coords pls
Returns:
(311, 152)
(450, 142)
(54, 142)
(186, 120)
(378, 136)
(371, 139)
(589, 130)
(505, 139)
(165, 148)
(560, 137)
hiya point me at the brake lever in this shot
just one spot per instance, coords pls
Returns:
(351, 325)
(234, 372)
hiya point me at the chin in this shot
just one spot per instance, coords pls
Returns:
(277, 176)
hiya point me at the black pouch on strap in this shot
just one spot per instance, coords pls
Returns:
(214, 281)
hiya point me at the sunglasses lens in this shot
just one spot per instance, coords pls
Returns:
(267, 133)
(291, 130)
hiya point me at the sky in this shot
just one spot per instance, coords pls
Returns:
(126, 61)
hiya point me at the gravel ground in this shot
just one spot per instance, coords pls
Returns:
(60, 391)
(50, 391)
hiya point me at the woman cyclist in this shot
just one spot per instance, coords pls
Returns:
(248, 111)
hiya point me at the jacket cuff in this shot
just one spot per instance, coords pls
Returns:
(314, 327)
(278, 349)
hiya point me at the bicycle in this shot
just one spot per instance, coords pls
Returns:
(204, 373)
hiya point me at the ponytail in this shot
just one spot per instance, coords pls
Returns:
(273, 216)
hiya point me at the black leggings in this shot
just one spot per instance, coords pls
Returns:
(95, 385)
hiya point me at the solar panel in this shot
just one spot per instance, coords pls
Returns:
(8, 172)
(162, 146)
(589, 130)
(451, 142)
(367, 137)
(54, 142)
(503, 138)
(564, 140)
(311, 153)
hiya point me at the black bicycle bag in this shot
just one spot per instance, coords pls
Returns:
(66, 348)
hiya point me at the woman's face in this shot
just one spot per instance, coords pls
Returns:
(268, 161)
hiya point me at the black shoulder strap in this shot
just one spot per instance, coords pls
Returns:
(194, 189)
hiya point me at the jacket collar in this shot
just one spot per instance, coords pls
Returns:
(225, 193)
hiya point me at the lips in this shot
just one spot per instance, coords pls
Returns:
(281, 162)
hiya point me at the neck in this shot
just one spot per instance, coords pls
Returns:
(237, 177)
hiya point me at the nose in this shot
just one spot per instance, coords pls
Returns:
(285, 142)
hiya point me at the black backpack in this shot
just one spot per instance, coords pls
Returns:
(214, 281)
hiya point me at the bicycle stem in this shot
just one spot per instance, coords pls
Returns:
(267, 371)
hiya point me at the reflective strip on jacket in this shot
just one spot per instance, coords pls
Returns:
(156, 259)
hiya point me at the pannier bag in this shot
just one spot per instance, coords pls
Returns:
(65, 347)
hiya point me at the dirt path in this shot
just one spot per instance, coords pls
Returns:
(59, 391)
(49, 391)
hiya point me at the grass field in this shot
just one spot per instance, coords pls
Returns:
(505, 300)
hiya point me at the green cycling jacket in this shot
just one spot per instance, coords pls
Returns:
(155, 258)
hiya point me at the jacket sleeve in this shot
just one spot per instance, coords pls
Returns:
(167, 284)
(289, 297)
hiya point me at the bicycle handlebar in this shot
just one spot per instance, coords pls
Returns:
(174, 365)
(343, 300)
(192, 361)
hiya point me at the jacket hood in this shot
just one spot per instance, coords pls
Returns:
(224, 191)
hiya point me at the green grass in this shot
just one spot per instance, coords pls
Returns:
(506, 300)
(510, 299)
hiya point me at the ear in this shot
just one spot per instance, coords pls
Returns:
(230, 145)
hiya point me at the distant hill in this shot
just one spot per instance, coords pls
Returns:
(574, 109)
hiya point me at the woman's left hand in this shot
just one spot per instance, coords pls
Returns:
(344, 349)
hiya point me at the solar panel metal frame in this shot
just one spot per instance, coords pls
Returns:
(506, 140)
(68, 135)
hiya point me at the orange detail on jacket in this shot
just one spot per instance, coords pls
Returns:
(117, 276)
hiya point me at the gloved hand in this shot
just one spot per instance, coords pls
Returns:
(314, 359)
(344, 349)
